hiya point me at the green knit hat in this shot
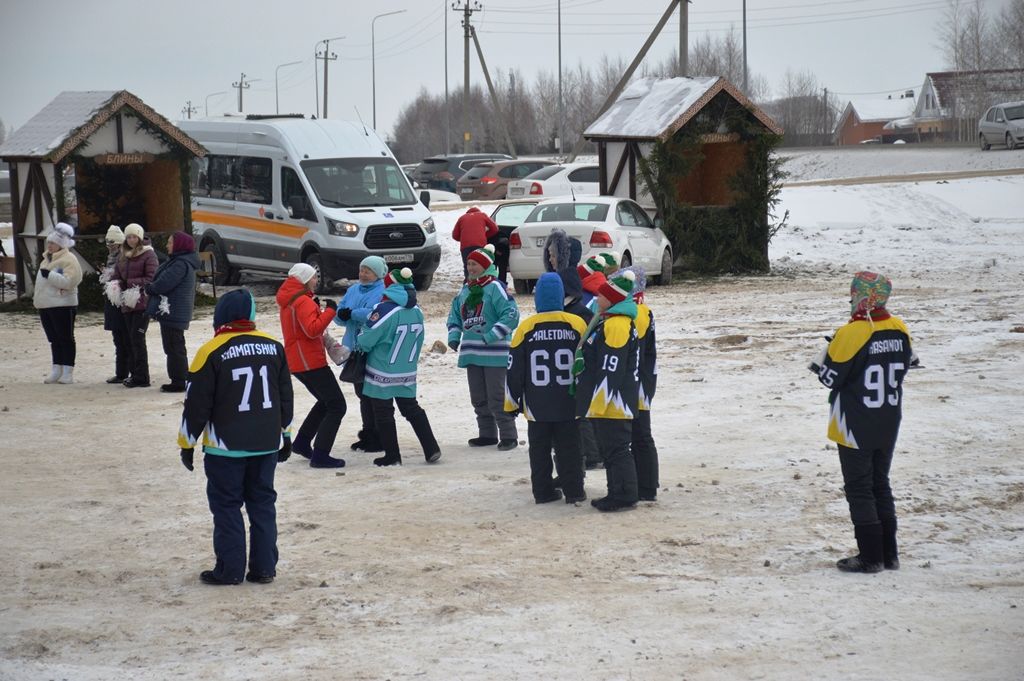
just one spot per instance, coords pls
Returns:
(402, 277)
(619, 287)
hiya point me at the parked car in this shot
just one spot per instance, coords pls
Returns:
(601, 223)
(509, 216)
(442, 172)
(560, 180)
(1002, 124)
(488, 181)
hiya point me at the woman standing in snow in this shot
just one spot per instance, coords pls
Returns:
(353, 311)
(135, 268)
(56, 298)
(172, 295)
(113, 320)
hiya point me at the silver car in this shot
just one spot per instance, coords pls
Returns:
(1002, 124)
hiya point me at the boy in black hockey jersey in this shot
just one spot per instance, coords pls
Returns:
(537, 384)
(864, 366)
(644, 450)
(607, 387)
(238, 398)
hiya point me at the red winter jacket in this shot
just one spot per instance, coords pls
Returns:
(474, 228)
(303, 325)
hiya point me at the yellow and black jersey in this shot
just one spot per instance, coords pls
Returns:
(238, 396)
(648, 356)
(864, 367)
(609, 387)
(540, 366)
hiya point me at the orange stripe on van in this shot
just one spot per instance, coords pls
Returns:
(256, 225)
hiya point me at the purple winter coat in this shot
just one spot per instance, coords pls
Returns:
(136, 269)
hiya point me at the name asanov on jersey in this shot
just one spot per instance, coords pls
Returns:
(879, 347)
(248, 350)
(554, 335)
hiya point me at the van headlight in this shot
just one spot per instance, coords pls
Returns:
(428, 226)
(338, 228)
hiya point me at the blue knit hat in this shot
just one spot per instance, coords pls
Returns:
(234, 306)
(549, 295)
(375, 264)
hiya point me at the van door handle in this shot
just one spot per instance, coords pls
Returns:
(268, 215)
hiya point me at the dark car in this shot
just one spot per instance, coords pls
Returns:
(442, 172)
(488, 181)
(508, 216)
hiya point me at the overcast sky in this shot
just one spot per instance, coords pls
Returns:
(171, 52)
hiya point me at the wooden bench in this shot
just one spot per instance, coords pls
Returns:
(206, 269)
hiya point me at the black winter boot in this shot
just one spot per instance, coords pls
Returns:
(388, 460)
(869, 542)
(608, 504)
(368, 442)
(890, 552)
(483, 441)
(325, 460)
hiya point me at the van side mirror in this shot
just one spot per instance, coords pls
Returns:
(298, 206)
(425, 198)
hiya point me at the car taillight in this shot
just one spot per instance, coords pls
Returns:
(600, 239)
(488, 180)
(536, 188)
(514, 241)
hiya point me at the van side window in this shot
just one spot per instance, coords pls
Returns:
(256, 180)
(223, 177)
(199, 176)
(293, 195)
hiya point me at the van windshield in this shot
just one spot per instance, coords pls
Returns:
(358, 182)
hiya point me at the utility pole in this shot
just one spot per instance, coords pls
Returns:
(494, 95)
(561, 102)
(447, 111)
(328, 57)
(467, 10)
(241, 84)
(745, 93)
(189, 109)
(684, 38)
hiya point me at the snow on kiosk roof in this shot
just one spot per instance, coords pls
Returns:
(72, 117)
(653, 108)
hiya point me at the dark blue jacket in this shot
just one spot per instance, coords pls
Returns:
(175, 281)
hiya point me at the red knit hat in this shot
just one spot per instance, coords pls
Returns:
(483, 256)
(618, 288)
(183, 243)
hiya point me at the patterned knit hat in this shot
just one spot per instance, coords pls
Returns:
(591, 265)
(639, 283)
(483, 256)
(869, 291)
(402, 277)
(618, 288)
(611, 260)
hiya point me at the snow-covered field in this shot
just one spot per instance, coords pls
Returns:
(873, 160)
(451, 572)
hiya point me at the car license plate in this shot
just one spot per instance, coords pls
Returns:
(399, 257)
(515, 191)
(467, 190)
(540, 241)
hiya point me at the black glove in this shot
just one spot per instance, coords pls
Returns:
(286, 449)
(45, 272)
(316, 300)
(186, 458)
(454, 345)
(345, 314)
(330, 304)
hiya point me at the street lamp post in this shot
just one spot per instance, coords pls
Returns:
(206, 106)
(277, 103)
(373, 59)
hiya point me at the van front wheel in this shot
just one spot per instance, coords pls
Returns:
(316, 261)
(422, 282)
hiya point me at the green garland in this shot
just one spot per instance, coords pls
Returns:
(719, 239)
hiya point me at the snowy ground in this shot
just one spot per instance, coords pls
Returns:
(451, 572)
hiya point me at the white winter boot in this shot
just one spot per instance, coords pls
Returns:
(55, 374)
(67, 375)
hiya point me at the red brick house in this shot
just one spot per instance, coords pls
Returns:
(865, 119)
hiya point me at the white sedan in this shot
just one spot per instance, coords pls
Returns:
(562, 180)
(600, 223)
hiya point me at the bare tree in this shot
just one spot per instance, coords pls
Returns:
(1008, 33)
(3, 132)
